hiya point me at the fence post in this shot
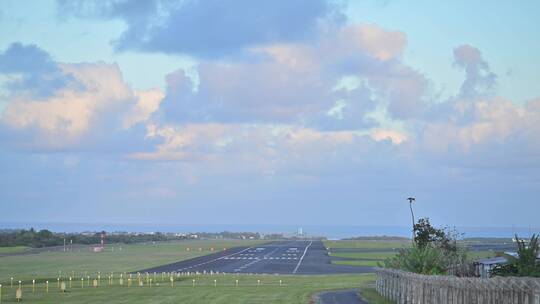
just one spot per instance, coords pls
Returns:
(536, 292)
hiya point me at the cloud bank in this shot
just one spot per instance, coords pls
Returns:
(282, 112)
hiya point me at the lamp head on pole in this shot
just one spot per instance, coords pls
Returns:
(411, 199)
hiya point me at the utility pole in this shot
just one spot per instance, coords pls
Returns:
(411, 200)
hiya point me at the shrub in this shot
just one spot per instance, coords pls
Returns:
(429, 260)
(423, 260)
(526, 264)
(434, 252)
(427, 235)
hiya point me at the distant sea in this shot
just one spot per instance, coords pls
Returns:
(329, 231)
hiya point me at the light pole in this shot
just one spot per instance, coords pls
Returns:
(411, 200)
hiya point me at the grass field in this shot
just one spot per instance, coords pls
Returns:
(46, 266)
(363, 258)
(373, 263)
(363, 255)
(15, 249)
(293, 289)
(367, 244)
(130, 258)
(481, 254)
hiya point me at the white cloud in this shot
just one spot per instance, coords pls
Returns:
(395, 137)
(147, 103)
(485, 132)
(96, 98)
(296, 83)
(375, 41)
(213, 141)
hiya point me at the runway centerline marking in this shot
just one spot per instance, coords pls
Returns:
(301, 258)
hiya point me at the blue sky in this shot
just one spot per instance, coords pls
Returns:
(272, 112)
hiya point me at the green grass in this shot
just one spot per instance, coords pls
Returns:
(367, 244)
(294, 289)
(363, 255)
(358, 263)
(361, 258)
(45, 266)
(481, 254)
(130, 258)
(14, 249)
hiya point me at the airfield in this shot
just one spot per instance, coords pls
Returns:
(202, 271)
(283, 257)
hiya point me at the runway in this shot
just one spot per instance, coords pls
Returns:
(284, 257)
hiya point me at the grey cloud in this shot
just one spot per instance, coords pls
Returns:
(39, 74)
(210, 28)
(296, 83)
(479, 79)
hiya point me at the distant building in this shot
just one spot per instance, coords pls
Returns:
(483, 267)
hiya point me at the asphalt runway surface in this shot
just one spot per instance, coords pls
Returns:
(349, 296)
(284, 257)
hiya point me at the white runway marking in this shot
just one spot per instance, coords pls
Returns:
(211, 261)
(301, 258)
(257, 259)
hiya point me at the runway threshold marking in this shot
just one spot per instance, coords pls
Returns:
(257, 259)
(211, 261)
(302, 257)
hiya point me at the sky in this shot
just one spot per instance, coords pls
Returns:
(303, 112)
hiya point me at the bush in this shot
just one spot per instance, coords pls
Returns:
(423, 260)
(429, 260)
(427, 235)
(434, 252)
(526, 264)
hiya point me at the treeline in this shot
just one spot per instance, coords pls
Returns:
(29, 238)
(46, 238)
(228, 235)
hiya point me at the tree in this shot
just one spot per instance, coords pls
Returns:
(435, 251)
(425, 234)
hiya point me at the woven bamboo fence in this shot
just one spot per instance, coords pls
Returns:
(410, 288)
